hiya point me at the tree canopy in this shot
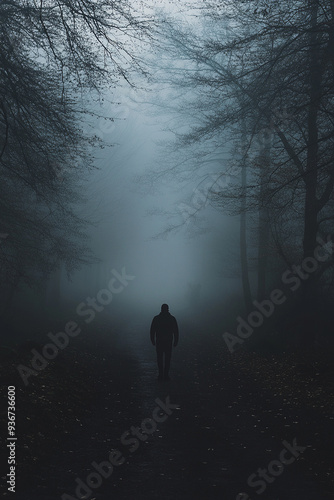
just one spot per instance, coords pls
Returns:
(54, 55)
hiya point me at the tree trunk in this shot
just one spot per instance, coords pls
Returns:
(264, 229)
(243, 230)
(311, 179)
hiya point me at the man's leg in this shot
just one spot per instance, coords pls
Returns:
(160, 361)
(168, 355)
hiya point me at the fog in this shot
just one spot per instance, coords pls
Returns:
(141, 211)
(130, 213)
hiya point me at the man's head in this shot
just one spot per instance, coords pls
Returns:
(164, 308)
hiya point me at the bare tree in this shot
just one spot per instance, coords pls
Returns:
(278, 58)
(55, 57)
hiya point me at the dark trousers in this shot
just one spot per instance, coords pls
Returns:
(164, 350)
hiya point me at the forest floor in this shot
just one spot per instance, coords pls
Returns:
(236, 413)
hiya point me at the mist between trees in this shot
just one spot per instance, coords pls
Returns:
(266, 308)
(252, 89)
(241, 92)
(61, 340)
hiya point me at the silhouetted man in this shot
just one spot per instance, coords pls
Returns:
(163, 330)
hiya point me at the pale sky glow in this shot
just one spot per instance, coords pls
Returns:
(128, 213)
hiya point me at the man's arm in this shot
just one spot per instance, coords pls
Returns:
(152, 332)
(176, 333)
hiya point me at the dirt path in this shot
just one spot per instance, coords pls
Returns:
(225, 429)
